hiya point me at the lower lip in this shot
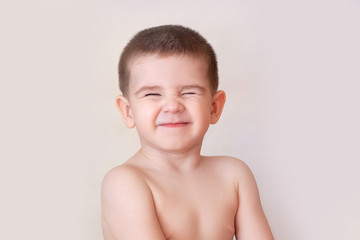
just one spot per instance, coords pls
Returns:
(173, 125)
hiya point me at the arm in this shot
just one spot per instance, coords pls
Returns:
(250, 221)
(128, 210)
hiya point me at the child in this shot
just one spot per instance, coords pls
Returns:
(167, 190)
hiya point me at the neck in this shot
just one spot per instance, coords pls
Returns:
(179, 161)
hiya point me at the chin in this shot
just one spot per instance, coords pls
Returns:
(178, 148)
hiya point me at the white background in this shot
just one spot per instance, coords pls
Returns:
(291, 73)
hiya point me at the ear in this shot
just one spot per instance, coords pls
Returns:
(123, 105)
(218, 102)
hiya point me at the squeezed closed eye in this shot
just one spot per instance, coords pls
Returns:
(188, 93)
(152, 94)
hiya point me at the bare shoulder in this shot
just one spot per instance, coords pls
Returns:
(231, 167)
(127, 205)
(240, 172)
(250, 219)
(120, 185)
(122, 180)
(227, 161)
(119, 175)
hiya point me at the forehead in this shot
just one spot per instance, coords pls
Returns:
(166, 70)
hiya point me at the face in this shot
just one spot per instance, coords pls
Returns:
(170, 102)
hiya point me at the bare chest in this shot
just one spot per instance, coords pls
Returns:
(201, 208)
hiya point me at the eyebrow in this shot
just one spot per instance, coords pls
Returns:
(198, 87)
(157, 88)
(147, 88)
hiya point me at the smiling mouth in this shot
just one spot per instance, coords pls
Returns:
(174, 125)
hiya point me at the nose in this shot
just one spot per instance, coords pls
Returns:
(172, 105)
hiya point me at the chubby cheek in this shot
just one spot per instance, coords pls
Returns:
(145, 116)
(203, 114)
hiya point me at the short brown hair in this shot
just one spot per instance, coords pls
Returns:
(166, 40)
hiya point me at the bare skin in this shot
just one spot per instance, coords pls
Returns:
(214, 199)
(168, 190)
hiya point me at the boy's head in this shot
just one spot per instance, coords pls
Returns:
(164, 41)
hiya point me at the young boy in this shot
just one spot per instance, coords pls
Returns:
(167, 190)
